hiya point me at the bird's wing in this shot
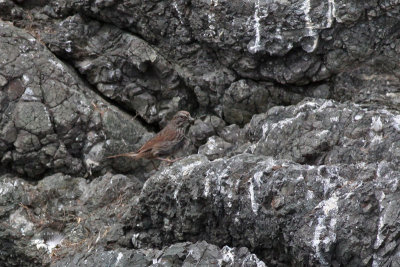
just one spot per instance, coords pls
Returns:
(165, 135)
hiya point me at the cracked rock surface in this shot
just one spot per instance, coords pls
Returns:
(51, 121)
(293, 158)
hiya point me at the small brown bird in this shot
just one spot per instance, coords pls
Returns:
(168, 141)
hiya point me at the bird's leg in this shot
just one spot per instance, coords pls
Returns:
(173, 160)
(169, 160)
(154, 165)
(166, 160)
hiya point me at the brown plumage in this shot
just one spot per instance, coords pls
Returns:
(168, 141)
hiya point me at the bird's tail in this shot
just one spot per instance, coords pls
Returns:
(129, 154)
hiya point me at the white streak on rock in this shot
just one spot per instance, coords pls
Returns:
(29, 95)
(91, 163)
(283, 123)
(85, 65)
(325, 233)
(396, 122)
(207, 184)
(257, 178)
(68, 48)
(328, 183)
(334, 119)
(135, 242)
(120, 255)
(376, 127)
(358, 117)
(57, 64)
(211, 175)
(98, 238)
(311, 104)
(254, 204)
(310, 195)
(310, 27)
(380, 237)
(331, 14)
(25, 78)
(257, 42)
(175, 5)
(323, 133)
(228, 255)
(376, 124)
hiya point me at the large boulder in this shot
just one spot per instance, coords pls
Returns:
(51, 120)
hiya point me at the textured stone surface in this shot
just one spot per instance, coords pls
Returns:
(121, 66)
(50, 120)
(321, 214)
(179, 254)
(244, 98)
(296, 140)
(326, 132)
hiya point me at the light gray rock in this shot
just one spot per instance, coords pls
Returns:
(215, 148)
(326, 132)
(179, 254)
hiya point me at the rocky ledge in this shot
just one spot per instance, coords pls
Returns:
(293, 159)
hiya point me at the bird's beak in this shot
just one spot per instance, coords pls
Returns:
(191, 120)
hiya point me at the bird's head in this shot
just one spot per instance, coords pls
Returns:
(182, 118)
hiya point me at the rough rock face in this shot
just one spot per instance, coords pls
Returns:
(316, 214)
(50, 119)
(180, 254)
(333, 134)
(296, 143)
(121, 66)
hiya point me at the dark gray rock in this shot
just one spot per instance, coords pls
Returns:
(201, 49)
(121, 66)
(372, 84)
(303, 183)
(60, 212)
(50, 120)
(238, 32)
(245, 98)
(321, 214)
(232, 133)
(205, 127)
(66, 221)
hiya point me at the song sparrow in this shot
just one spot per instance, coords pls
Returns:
(168, 141)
